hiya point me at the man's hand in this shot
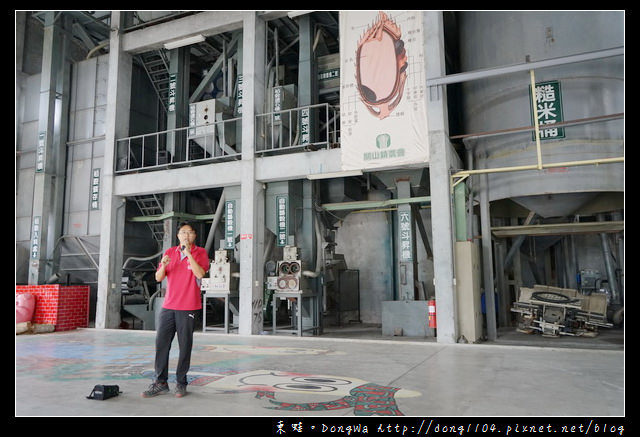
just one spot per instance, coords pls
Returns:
(185, 249)
(162, 267)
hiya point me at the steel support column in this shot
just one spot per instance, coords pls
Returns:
(113, 207)
(251, 192)
(49, 179)
(405, 244)
(440, 164)
(487, 258)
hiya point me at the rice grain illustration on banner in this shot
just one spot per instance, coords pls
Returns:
(381, 66)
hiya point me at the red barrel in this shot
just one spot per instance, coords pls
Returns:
(432, 313)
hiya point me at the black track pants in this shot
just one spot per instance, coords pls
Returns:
(173, 322)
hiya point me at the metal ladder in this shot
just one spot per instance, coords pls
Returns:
(150, 205)
(156, 64)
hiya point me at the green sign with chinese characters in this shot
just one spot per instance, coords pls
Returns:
(304, 126)
(35, 238)
(405, 234)
(40, 151)
(95, 189)
(548, 103)
(230, 224)
(172, 92)
(282, 225)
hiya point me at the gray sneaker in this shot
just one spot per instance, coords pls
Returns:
(155, 389)
(180, 390)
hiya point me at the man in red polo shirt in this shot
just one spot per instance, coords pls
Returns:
(183, 266)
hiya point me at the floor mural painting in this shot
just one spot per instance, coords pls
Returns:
(218, 370)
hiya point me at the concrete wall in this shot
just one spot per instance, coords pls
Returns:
(365, 239)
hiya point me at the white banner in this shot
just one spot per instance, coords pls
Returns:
(383, 120)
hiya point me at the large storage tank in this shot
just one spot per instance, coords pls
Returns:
(588, 89)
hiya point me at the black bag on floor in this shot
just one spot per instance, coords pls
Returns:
(102, 392)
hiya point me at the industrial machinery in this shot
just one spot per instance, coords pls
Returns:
(282, 126)
(590, 281)
(136, 299)
(290, 271)
(560, 311)
(291, 283)
(342, 289)
(208, 130)
(222, 283)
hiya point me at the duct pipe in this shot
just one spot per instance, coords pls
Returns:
(606, 250)
(317, 39)
(319, 249)
(148, 258)
(620, 259)
(471, 195)
(214, 224)
(269, 247)
(102, 45)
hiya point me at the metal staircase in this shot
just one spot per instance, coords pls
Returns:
(156, 64)
(152, 205)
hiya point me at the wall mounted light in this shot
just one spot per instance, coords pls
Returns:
(183, 42)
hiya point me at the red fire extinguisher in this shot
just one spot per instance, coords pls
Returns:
(432, 313)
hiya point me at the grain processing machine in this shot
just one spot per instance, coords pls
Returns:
(560, 311)
(222, 283)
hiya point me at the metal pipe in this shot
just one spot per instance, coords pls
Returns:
(373, 203)
(319, 249)
(487, 260)
(491, 72)
(465, 173)
(96, 48)
(518, 242)
(134, 258)
(216, 221)
(606, 251)
(574, 122)
(535, 118)
(471, 197)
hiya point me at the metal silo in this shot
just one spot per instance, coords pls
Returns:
(591, 91)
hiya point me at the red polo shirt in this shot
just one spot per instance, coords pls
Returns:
(183, 288)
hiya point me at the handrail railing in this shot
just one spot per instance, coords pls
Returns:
(181, 146)
(311, 127)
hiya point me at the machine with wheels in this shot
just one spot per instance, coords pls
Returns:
(560, 311)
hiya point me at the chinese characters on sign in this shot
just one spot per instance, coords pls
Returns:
(304, 126)
(277, 102)
(383, 144)
(548, 100)
(283, 219)
(35, 238)
(95, 189)
(239, 96)
(40, 153)
(230, 224)
(172, 93)
(405, 235)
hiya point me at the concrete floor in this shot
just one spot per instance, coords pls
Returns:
(283, 375)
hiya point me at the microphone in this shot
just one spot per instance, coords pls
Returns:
(182, 248)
